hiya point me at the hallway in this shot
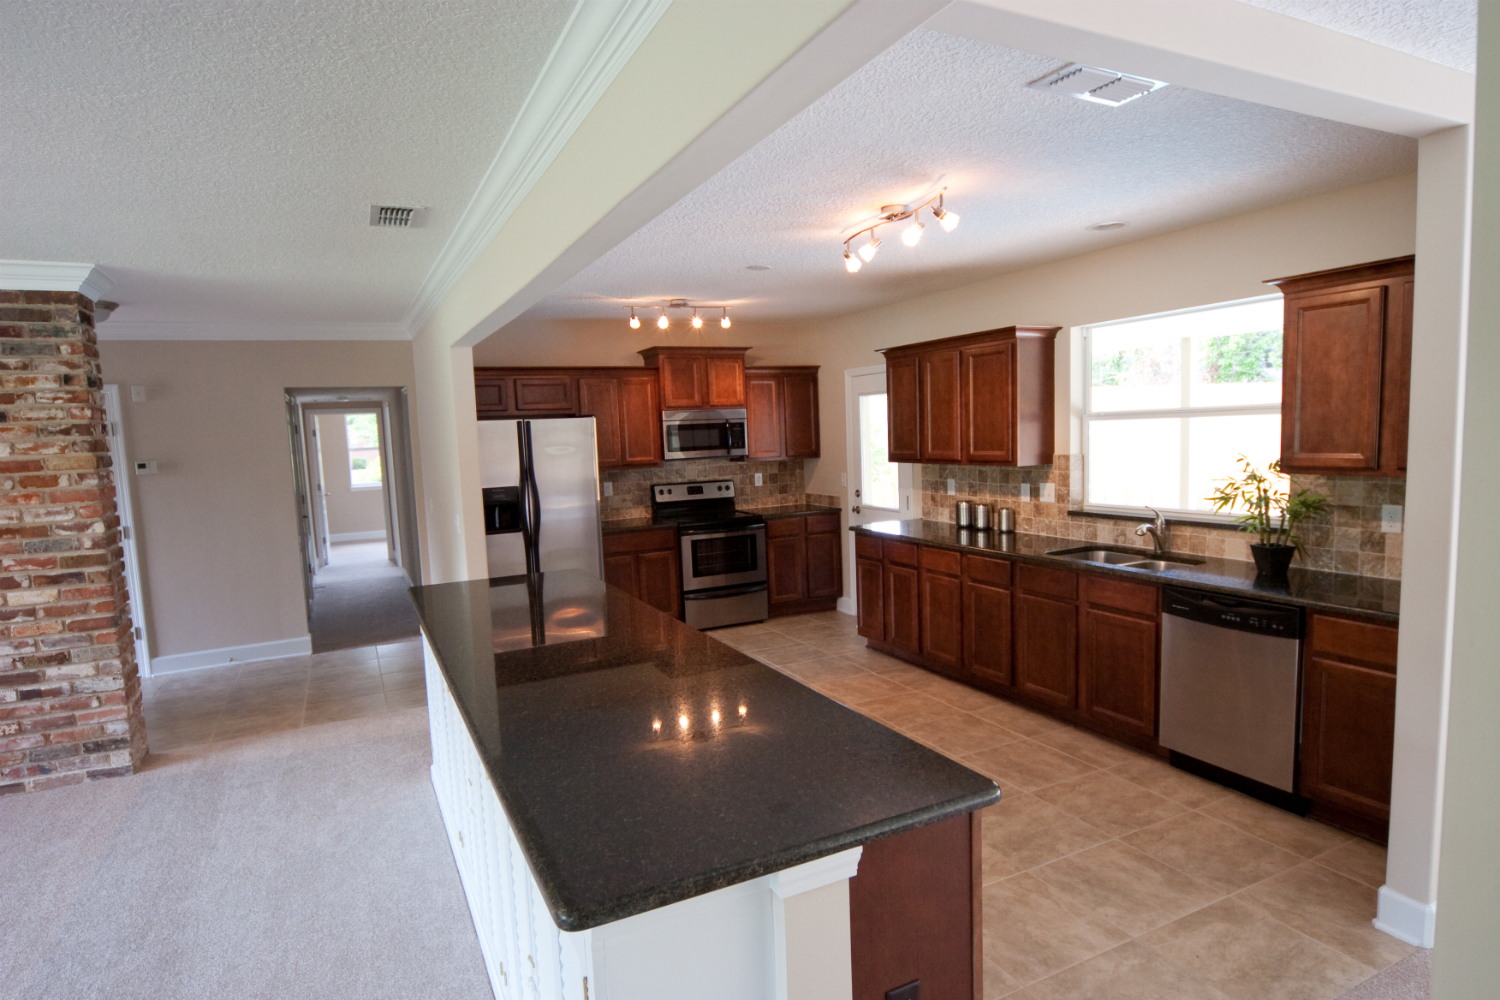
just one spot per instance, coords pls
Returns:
(359, 599)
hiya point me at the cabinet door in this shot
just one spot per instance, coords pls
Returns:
(902, 609)
(987, 636)
(620, 571)
(942, 622)
(657, 580)
(546, 394)
(903, 410)
(1047, 649)
(825, 564)
(869, 584)
(1332, 379)
(1348, 735)
(763, 416)
(600, 398)
(989, 421)
(786, 568)
(640, 420)
(683, 381)
(799, 416)
(1117, 664)
(725, 381)
(942, 408)
(492, 395)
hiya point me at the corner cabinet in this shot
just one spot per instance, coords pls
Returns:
(781, 407)
(698, 378)
(1346, 369)
(980, 399)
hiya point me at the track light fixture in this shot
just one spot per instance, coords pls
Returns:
(911, 235)
(635, 321)
(663, 321)
(724, 320)
(697, 320)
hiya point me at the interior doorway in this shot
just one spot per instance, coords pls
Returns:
(351, 454)
(879, 489)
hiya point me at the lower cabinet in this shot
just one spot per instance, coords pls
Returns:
(986, 619)
(804, 566)
(869, 585)
(1118, 654)
(941, 592)
(645, 565)
(1046, 623)
(901, 583)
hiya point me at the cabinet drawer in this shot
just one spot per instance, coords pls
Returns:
(781, 527)
(818, 524)
(866, 547)
(940, 561)
(900, 553)
(640, 541)
(990, 572)
(1108, 592)
(1360, 642)
(1044, 580)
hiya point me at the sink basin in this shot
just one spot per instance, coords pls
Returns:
(1163, 564)
(1129, 558)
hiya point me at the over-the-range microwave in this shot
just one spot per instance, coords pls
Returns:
(702, 434)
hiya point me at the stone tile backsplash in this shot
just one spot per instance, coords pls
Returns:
(1347, 540)
(781, 482)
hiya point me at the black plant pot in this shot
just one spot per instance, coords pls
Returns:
(1272, 560)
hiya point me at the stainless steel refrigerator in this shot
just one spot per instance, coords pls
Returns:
(541, 492)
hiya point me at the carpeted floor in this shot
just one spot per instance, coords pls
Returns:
(1408, 979)
(310, 863)
(359, 599)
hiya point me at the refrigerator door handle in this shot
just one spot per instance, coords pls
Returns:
(531, 499)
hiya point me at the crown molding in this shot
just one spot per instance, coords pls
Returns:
(177, 329)
(54, 276)
(599, 38)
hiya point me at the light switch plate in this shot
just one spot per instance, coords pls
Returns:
(1025, 491)
(757, 479)
(1391, 516)
(137, 394)
(1049, 493)
(952, 486)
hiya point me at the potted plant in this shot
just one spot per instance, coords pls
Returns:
(1272, 511)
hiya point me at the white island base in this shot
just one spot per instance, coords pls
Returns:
(780, 937)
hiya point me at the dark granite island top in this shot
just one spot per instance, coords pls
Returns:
(593, 715)
(1319, 591)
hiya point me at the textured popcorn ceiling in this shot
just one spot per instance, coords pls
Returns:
(1440, 31)
(1027, 171)
(218, 159)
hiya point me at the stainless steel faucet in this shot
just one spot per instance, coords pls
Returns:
(1157, 531)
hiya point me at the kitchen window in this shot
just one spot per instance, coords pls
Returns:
(362, 432)
(1173, 400)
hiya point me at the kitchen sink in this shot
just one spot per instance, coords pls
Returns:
(1129, 558)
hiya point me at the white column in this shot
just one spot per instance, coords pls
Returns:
(810, 911)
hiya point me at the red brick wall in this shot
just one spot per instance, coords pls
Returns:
(70, 699)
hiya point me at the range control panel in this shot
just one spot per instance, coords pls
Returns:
(717, 489)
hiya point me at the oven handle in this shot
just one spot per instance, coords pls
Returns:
(708, 595)
(757, 529)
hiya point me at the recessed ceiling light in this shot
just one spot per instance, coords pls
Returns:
(1102, 227)
(757, 267)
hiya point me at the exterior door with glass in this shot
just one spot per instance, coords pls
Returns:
(879, 489)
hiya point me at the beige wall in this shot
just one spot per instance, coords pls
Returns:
(610, 342)
(217, 526)
(349, 510)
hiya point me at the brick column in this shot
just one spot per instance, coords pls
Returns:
(70, 699)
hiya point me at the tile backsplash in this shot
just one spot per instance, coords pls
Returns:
(782, 481)
(1347, 540)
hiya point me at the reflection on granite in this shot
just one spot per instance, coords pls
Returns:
(1364, 595)
(789, 510)
(642, 762)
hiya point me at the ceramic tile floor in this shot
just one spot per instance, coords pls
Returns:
(1108, 873)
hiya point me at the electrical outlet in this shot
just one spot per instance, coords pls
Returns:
(911, 991)
(952, 486)
(1025, 491)
(1049, 493)
(1390, 518)
(608, 489)
(757, 479)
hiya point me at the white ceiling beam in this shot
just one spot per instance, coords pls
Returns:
(1233, 49)
(54, 276)
(148, 329)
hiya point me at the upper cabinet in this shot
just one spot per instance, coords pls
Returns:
(980, 399)
(781, 407)
(623, 402)
(698, 378)
(1346, 369)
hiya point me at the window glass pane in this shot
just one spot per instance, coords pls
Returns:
(1214, 449)
(1133, 463)
(1135, 370)
(879, 486)
(362, 431)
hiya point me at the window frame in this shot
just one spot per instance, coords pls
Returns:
(1088, 416)
(379, 449)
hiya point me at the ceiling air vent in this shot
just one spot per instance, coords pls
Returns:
(395, 216)
(1101, 86)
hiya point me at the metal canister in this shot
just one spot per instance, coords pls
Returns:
(963, 513)
(1005, 519)
(982, 516)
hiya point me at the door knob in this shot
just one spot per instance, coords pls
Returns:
(855, 508)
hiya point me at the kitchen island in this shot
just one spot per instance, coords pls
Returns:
(638, 810)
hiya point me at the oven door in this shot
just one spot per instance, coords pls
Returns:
(703, 434)
(723, 558)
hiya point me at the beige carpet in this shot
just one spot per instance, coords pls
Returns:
(310, 863)
(1408, 979)
(359, 599)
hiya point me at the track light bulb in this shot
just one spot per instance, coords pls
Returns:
(851, 262)
(912, 233)
(868, 250)
(635, 321)
(948, 220)
(697, 320)
(724, 320)
(661, 321)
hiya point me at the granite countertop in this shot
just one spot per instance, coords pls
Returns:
(1320, 591)
(790, 510)
(611, 525)
(562, 682)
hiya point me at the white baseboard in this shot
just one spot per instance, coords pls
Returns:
(848, 606)
(300, 646)
(357, 536)
(1405, 919)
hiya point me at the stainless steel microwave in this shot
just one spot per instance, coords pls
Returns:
(702, 433)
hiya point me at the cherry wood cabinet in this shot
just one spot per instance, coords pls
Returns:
(1349, 720)
(804, 567)
(644, 564)
(980, 399)
(1046, 638)
(902, 586)
(1346, 368)
(869, 584)
(986, 619)
(622, 401)
(782, 412)
(1118, 654)
(942, 610)
(696, 378)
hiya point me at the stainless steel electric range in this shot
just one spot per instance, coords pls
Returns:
(723, 552)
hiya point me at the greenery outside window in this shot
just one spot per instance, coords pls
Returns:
(1172, 401)
(362, 430)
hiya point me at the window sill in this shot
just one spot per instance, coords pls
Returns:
(1145, 518)
(363, 489)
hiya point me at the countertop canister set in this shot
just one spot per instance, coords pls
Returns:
(977, 516)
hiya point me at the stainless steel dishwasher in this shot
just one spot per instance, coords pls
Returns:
(1229, 685)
